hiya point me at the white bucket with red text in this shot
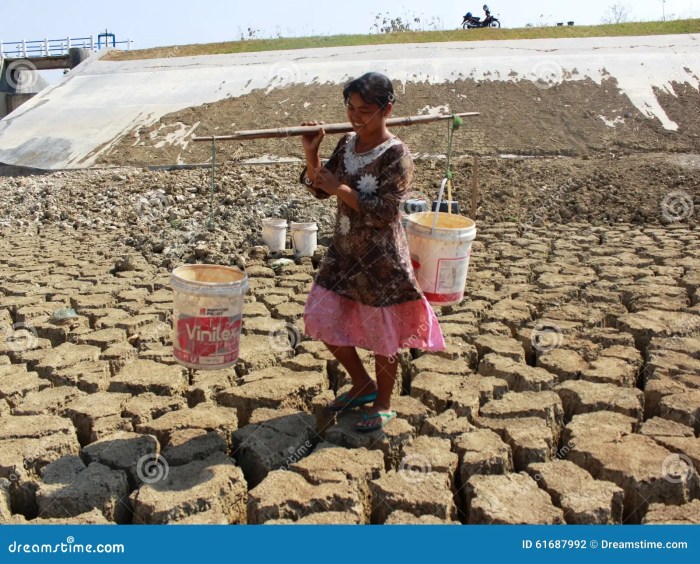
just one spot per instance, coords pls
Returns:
(274, 233)
(440, 254)
(207, 315)
(303, 238)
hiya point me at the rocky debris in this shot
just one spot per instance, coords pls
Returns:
(418, 493)
(512, 499)
(213, 486)
(69, 488)
(287, 495)
(583, 500)
(276, 443)
(637, 464)
(660, 514)
(580, 396)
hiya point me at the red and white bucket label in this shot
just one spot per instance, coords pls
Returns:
(207, 341)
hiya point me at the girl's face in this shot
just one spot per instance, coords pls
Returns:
(366, 118)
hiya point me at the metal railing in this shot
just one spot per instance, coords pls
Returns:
(51, 47)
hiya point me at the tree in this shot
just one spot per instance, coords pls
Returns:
(617, 13)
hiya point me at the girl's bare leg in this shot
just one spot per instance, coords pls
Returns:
(362, 383)
(386, 368)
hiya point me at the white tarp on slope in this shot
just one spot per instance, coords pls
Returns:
(69, 124)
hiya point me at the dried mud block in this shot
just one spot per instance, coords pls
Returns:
(585, 501)
(213, 486)
(513, 499)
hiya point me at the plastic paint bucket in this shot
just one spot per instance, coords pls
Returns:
(440, 255)
(207, 315)
(304, 238)
(274, 233)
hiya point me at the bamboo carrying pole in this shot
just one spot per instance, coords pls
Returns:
(328, 128)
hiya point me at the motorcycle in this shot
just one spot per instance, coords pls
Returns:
(473, 22)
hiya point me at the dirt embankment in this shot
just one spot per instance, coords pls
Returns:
(574, 118)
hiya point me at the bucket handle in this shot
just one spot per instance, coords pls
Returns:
(439, 201)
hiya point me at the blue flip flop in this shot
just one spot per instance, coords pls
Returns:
(384, 419)
(354, 402)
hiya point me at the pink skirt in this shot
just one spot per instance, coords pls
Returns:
(340, 321)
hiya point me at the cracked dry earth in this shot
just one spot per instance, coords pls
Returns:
(569, 392)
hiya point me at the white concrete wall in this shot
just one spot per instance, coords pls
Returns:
(69, 124)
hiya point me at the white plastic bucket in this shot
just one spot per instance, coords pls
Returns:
(303, 238)
(207, 315)
(274, 233)
(440, 256)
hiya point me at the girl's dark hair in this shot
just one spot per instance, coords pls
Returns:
(373, 88)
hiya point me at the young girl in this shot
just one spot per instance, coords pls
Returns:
(365, 294)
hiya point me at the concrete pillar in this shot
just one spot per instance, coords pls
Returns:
(77, 55)
(14, 101)
(3, 105)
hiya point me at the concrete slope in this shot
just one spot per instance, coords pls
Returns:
(71, 123)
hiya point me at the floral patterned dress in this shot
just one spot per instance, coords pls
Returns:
(365, 293)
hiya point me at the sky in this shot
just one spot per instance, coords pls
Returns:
(179, 22)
